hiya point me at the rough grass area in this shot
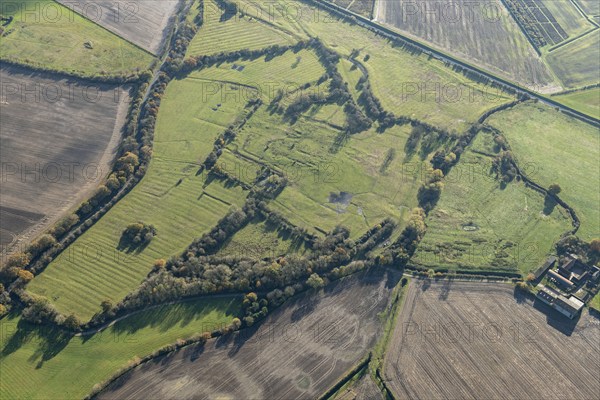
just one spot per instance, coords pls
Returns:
(48, 35)
(44, 363)
(299, 351)
(470, 31)
(408, 84)
(412, 84)
(476, 340)
(236, 33)
(576, 64)
(558, 149)
(260, 240)
(586, 101)
(479, 225)
(180, 203)
(320, 163)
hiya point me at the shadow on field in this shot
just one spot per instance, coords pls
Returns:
(549, 204)
(49, 341)
(181, 314)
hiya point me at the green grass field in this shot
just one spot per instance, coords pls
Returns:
(595, 302)
(92, 268)
(259, 240)
(234, 34)
(586, 101)
(576, 64)
(48, 35)
(407, 84)
(477, 225)
(317, 168)
(410, 84)
(43, 363)
(557, 149)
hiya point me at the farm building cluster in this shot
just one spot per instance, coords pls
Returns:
(569, 285)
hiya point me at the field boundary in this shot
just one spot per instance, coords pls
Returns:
(566, 42)
(331, 392)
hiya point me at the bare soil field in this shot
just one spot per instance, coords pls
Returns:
(57, 140)
(142, 22)
(482, 33)
(481, 341)
(299, 351)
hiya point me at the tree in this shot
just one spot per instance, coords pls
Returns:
(530, 277)
(18, 260)
(554, 189)
(106, 305)
(39, 310)
(43, 243)
(315, 281)
(595, 246)
(2, 310)
(72, 322)
(25, 275)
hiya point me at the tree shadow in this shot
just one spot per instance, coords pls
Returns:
(340, 140)
(50, 341)
(445, 290)
(181, 314)
(129, 247)
(549, 205)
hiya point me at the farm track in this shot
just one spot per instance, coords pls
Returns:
(299, 351)
(465, 340)
(446, 58)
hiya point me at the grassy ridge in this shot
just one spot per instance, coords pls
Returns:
(41, 363)
(47, 34)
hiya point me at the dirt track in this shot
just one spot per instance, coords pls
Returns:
(299, 351)
(477, 341)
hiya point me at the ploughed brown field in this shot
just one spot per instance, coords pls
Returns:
(483, 33)
(481, 341)
(298, 352)
(142, 22)
(57, 140)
